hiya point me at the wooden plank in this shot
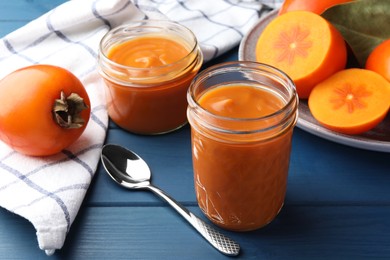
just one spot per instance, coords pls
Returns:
(6, 27)
(168, 156)
(158, 233)
(26, 10)
(16, 13)
(320, 171)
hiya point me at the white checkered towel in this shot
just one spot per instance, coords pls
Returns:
(49, 191)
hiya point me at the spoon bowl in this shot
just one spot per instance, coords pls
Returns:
(125, 167)
(130, 171)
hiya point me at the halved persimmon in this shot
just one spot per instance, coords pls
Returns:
(351, 101)
(303, 45)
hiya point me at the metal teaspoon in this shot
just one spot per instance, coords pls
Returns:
(130, 171)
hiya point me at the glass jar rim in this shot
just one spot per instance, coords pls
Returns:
(238, 66)
(148, 24)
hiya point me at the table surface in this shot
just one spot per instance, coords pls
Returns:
(337, 203)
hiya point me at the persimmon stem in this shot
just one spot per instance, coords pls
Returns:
(67, 109)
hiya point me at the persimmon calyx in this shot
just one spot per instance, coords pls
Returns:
(67, 109)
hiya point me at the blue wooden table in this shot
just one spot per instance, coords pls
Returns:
(337, 204)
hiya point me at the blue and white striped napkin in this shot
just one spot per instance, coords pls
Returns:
(49, 191)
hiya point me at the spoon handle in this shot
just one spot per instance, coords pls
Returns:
(221, 242)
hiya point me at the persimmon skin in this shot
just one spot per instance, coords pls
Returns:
(351, 101)
(27, 97)
(314, 6)
(379, 59)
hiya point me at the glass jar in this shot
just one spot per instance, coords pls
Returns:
(147, 98)
(241, 163)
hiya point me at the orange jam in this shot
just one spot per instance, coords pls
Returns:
(240, 102)
(147, 76)
(147, 52)
(240, 152)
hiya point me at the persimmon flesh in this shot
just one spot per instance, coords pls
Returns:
(303, 45)
(351, 101)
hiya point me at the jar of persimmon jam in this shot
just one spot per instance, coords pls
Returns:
(147, 67)
(242, 116)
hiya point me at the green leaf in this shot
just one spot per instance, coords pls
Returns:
(363, 23)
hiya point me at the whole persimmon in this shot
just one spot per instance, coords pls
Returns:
(44, 109)
(379, 59)
(314, 6)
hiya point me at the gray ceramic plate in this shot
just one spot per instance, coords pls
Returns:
(377, 139)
